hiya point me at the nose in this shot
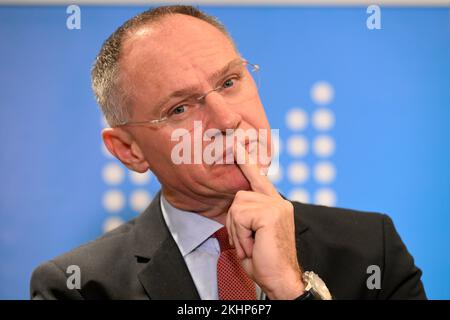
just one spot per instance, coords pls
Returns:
(221, 116)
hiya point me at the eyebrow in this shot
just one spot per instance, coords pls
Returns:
(189, 91)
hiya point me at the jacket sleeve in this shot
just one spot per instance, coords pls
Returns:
(49, 282)
(401, 278)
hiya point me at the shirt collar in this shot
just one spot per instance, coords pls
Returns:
(188, 229)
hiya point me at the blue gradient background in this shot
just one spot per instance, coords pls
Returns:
(392, 109)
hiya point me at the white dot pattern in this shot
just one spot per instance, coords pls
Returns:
(315, 145)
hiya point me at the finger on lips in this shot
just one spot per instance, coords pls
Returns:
(258, 182)
(242, 237)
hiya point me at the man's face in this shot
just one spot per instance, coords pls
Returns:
(178, 53)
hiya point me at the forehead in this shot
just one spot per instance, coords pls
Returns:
(171, 53)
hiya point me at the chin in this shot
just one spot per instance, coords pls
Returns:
(230, 178)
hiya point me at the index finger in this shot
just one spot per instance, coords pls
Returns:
(258, 181)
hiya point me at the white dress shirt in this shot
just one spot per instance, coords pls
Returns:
(192, 233)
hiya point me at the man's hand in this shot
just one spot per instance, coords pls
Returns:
(260, 224)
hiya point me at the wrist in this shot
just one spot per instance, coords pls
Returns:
(287, 290)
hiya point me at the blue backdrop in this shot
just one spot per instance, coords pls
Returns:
(363, 118)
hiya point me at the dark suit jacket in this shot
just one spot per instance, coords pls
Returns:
(140, 259)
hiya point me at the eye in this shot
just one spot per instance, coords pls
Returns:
(228, 83)
(178, 110)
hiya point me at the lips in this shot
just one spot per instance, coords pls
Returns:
(227, 157)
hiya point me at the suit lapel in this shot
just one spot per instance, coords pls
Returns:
(304, 243)
(164, 274)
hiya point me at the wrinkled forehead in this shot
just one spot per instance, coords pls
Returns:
(164, 56)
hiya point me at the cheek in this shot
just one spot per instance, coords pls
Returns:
(157, 149)
(177, 154)
(254, 114)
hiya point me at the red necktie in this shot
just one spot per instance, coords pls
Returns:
(232, 280)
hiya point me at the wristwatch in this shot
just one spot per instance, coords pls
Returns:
(315, 288)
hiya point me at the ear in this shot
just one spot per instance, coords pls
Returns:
(122, 145)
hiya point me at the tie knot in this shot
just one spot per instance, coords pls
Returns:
(222, 236)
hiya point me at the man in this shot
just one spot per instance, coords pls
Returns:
(217, 230)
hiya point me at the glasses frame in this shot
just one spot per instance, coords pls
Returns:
(255, 68)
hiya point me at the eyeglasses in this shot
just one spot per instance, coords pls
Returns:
(236, 87)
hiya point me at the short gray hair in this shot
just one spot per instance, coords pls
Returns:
(109, 92)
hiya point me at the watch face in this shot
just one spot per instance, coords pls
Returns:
(317, 285)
